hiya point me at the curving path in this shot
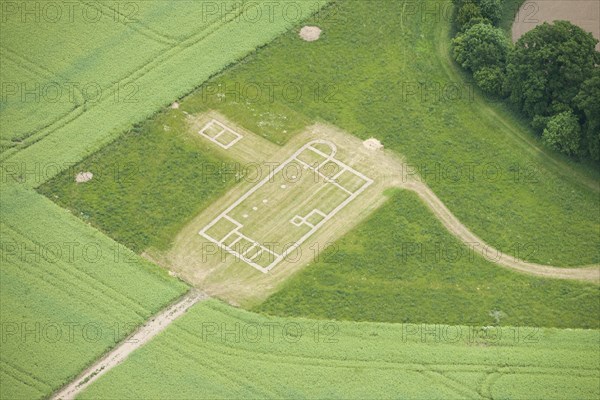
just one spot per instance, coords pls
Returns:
(454, 226)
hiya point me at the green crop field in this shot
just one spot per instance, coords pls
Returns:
(222, 352)
(88, 98)
(171, 105)
(74, 77)
(68, 294)
(401, 265)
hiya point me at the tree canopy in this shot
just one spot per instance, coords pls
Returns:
(563, 133)
(547, 67)
(588, 102)
(482, 45)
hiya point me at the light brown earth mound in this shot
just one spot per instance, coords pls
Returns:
(373, 144)
(83, 177)
(310, 33)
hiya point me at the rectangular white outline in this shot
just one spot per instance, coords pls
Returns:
(224, 129)
(326, 217)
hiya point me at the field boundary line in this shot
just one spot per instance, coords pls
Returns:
(39, 70)
(54, 281)
(20, 376)
(153, 326)
(213, 364)
(457, 387)
(231, 349)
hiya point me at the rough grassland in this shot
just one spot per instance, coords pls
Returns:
(199, 262)
(401, 265)
(142, 200)
(222, 352)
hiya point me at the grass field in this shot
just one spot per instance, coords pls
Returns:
(73, 283)
(224, 352)
(401, 265)
(69, 292)
(478, 157)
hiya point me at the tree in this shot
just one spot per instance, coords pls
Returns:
(467, 11)
(547, 67)
(491, 9)
(563, 133)
(481, 46)
(491, 80)
(588, 101)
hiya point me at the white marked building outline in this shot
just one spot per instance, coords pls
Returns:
(255, 249)
(222, 129)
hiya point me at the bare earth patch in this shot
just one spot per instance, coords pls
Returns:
(310, 33)
(83, 177)
(373, 144)
(583, 13)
